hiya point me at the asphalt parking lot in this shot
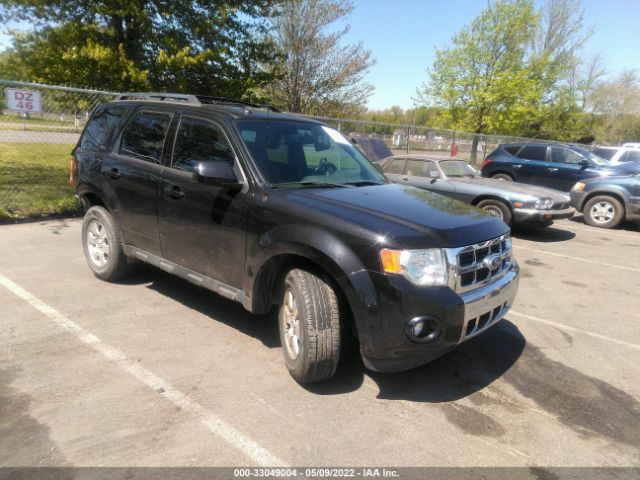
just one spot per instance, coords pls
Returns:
(156, 372)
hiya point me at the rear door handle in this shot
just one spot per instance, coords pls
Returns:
(114, 173)
(517, 166)
(174, 191)
(552, 170)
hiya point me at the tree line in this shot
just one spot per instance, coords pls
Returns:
(514, 70)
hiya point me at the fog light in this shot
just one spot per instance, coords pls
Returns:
(418, 327)
(422, 329)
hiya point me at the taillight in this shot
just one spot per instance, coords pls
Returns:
(72, 170)
(486, 162)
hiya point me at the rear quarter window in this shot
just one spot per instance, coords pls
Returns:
(394, 166)
(145, 135)
(533, 153)
(511, 149)
(102, 124)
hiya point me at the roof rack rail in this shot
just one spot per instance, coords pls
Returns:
(212, 99)
(191, 99)
(170, 97)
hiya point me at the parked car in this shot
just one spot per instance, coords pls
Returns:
(618, 155)
(606, 202)
(549, 165)
(274, 210)
(513, 203)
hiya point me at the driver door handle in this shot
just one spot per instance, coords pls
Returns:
(114, 173)
(552, 170)
(174, 191)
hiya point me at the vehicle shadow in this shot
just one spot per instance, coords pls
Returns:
(463, 371)
(261, 327)
(632, 226)
(543, 235)
(467, 369)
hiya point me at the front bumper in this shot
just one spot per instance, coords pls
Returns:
(577, 198)
(386, 347)
(533, 216)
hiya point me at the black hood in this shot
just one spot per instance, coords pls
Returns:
(414, 218)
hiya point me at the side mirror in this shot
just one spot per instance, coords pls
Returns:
(585, 163)
(215, 173)
(434, 176)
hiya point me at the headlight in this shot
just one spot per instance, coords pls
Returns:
(422, 267)
(544, 204)
(578, 187)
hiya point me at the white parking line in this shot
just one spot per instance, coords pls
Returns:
(213, 423)
(561, 326)
(578, 259)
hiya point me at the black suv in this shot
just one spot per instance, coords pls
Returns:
(269, 209)
(549, 165)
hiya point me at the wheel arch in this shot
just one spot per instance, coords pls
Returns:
(276, 252)
(488, 196)
(502, 171)
(608, 193)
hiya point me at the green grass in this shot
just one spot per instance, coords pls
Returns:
(34, 180)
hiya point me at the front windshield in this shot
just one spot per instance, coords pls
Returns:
(457, 168)
(598, 160)
(290, 152)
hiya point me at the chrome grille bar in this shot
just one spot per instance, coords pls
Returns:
(477, 265)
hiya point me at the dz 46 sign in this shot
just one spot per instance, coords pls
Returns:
(27, 101)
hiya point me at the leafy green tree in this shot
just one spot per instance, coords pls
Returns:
(484, 80)
(319, 74)
(215, 48)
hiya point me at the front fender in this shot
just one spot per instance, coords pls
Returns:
(268, 253)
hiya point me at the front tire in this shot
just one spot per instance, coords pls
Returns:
(309, 325)
(497, 209)
(102, 245)
(604, 211)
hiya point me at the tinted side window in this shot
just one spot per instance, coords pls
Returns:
(633, 156)
(395, 166)
(533, 153)
(512, 149)
(564, 155)
(418, 168)
(199, 141)
(144, 137)
(101, 126)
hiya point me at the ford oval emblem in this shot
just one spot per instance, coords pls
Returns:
(492, 262)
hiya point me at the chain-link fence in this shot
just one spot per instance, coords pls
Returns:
(420, 140)
(39, 130)
(39, 126)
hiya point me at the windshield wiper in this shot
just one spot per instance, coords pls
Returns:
(310, 185)
(362, 183)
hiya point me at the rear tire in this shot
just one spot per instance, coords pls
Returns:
(503, 176)
(309, 325)
(497, 209)
(102, 245)
(603, 211)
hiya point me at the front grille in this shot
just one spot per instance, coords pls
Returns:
(479, 264)
(476, 325)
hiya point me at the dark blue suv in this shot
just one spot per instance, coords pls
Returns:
(550, 165)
